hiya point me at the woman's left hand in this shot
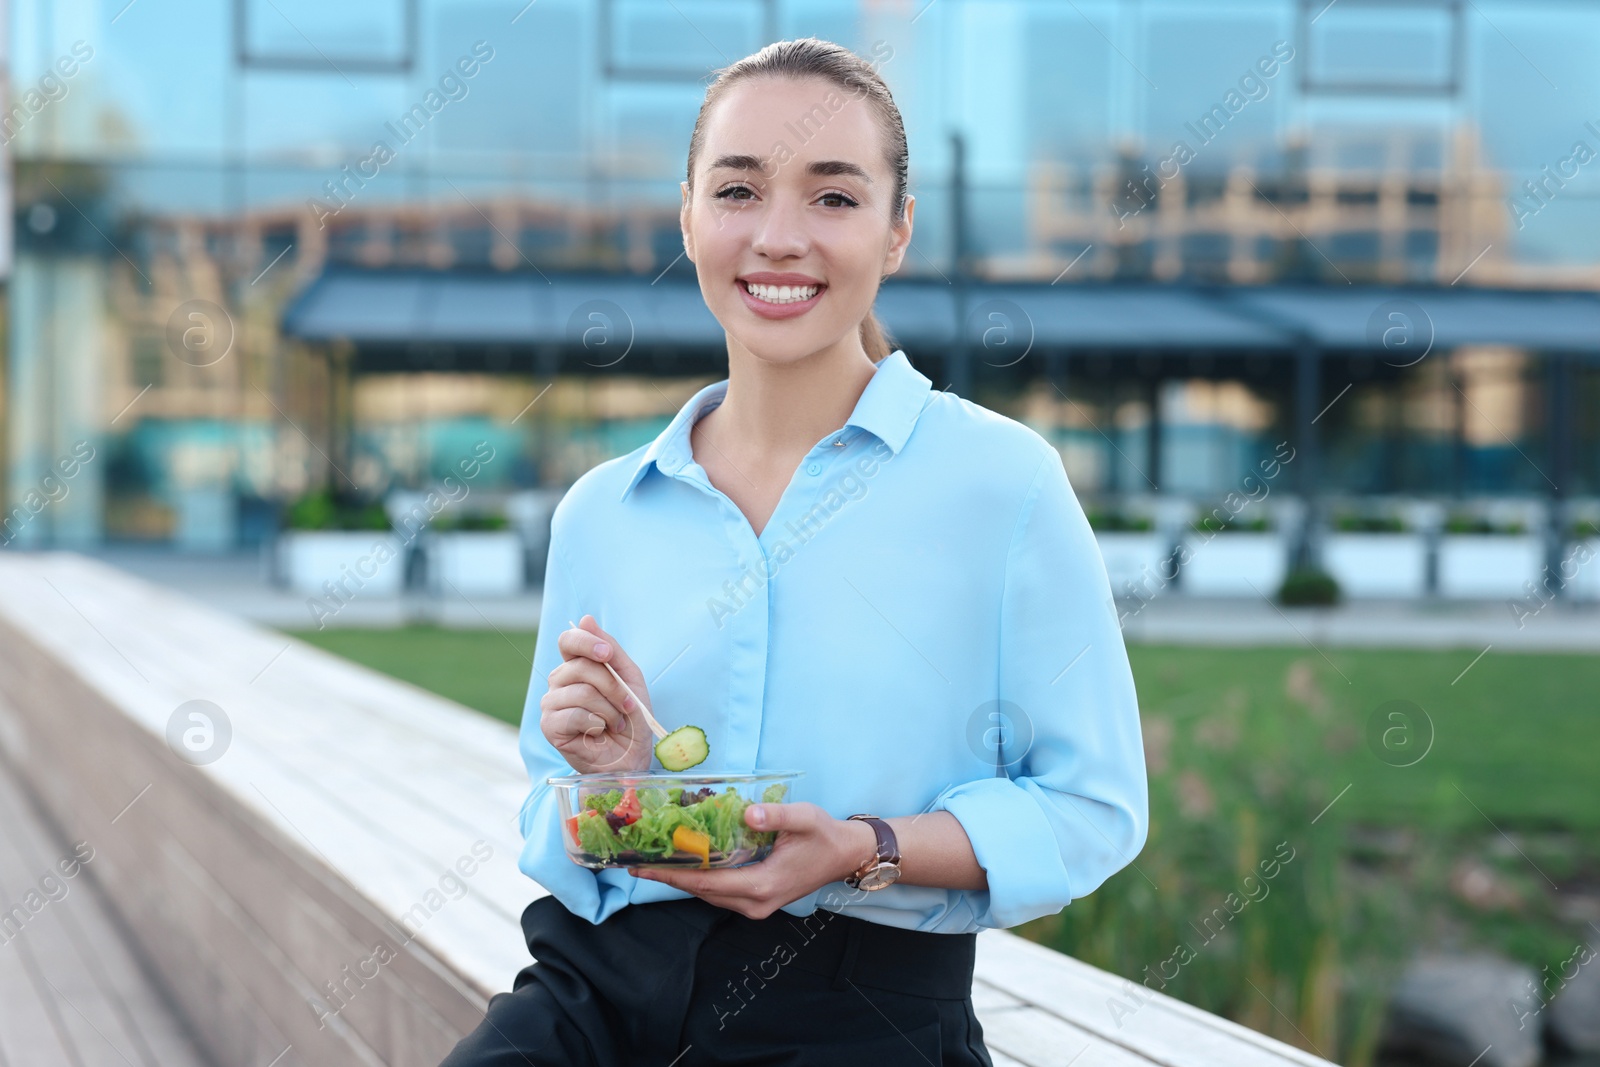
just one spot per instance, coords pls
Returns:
(813, 849)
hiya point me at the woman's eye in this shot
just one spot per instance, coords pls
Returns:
(728, 194)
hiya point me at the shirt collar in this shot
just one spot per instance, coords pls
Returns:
(888, 409)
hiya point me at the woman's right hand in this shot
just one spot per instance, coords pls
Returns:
(586, 715)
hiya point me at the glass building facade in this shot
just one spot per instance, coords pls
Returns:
(182, 171)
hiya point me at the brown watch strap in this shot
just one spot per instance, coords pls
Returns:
(888, 848)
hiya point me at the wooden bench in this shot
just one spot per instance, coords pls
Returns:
(340, 886)
(71, 992)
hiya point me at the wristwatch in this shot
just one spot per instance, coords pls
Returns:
(883, 868)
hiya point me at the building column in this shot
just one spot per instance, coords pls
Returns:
(55, 417)
(1559, 383)
(1153, 433)
(1307, 408)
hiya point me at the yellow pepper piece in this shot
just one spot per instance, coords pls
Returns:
(693, 842)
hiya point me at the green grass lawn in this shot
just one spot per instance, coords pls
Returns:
(1474, 820)
(483, 669)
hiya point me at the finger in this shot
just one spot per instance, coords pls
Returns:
(701, 883)
(580, 668)
(615, 656)
(607, 752)
(590, 644)
(797, 816)
(722, 883)
(585, 695)
(587, 672)
(583, 641)
(715, 887)
(577, 722)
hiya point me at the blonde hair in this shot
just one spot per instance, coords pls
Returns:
(808, 57)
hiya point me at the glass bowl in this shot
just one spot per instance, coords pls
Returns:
(641, 820)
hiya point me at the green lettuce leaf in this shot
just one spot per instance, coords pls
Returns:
(596, 837)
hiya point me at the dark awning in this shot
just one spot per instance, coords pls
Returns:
(400, 309)
(450, 308)
(1352, 317)
(1145, 317)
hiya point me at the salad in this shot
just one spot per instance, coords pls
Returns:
(669, 826)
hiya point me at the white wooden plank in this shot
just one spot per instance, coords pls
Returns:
(1040, 1039)
(272, 788)
(1002, 1060)
(1163, 1029)
(347, 745)
(986, 997)
(142, 821)
(96, 949)
(79, 1007)
(102, 1001)
(30, 1031)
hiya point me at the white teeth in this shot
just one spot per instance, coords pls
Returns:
(781, 294)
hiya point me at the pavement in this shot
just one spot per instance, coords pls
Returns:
(1421, 623)
(238, 583)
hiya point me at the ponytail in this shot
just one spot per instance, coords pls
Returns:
(874, 339)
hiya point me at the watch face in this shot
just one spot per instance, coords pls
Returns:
(880, 876)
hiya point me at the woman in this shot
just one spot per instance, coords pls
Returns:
(830, 567)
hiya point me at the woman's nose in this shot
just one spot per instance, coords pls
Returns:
(781, 233)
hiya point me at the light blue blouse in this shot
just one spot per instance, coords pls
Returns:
(923, 624)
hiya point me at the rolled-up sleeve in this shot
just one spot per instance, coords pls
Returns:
(1072, 806)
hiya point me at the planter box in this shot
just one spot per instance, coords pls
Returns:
(1584, 558)
(1377, 564)
(1134, 559)
(476, 562)
(1235, 564)
(1489, 566)
(308, 558)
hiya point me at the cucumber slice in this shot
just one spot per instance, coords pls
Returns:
(683, 748)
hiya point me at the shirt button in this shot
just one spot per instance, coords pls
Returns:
(813, 468)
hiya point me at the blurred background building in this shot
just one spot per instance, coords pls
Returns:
(268, 247)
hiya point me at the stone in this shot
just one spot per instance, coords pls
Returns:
(1456, 1008)
(1573, 1017)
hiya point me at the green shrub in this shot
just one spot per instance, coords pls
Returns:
(452, 520)
(1308, 587)
(321, 511)
(1472, 524)
(311, 512)
(1369, 524)
(1117, 521)
(1209, 523)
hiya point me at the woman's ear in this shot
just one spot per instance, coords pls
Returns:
(899, 239)
(683, 222)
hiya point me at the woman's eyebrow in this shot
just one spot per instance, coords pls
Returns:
(823, 168)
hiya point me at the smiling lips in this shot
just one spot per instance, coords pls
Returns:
(772, 299)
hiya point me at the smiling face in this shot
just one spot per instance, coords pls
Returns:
(793, 196)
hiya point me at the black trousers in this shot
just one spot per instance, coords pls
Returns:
(688, 984)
